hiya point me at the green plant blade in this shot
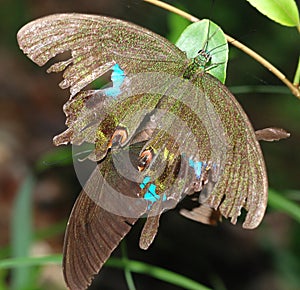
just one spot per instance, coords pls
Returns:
(157, 272)
(206, 35)
(127, 273)
(61, 156)
(22, 233)
(284, 12)
(30, 261)
(131, 265)
(280, 203)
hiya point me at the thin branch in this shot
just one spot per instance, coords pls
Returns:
(173, 9)
(297, 75)
(294, 89)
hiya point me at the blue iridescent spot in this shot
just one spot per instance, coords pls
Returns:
(144, 182)
(117, 78)
(151, 194)
(197, 167)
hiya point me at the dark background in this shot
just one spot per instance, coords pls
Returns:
(222, 257)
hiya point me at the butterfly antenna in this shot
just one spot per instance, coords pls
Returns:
(208, 29)
(210, 36)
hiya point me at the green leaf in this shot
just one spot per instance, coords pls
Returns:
(127, 272)
(206, 35)
(284, 12)
(3, 277)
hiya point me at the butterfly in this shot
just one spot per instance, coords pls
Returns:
(195, 136)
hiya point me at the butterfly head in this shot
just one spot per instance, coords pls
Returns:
(203, 58)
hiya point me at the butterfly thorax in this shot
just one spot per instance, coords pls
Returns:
(197, 64)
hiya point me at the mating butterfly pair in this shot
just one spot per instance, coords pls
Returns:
(180, 128)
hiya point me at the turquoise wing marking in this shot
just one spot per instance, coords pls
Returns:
(197, 165)
(151, 194)
(144, 182)
(117, 78)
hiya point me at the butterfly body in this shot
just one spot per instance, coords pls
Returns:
(196, 66)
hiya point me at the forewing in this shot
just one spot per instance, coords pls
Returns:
(96, 44)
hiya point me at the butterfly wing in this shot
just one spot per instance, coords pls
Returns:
(271, 134)
(168, 188)
(202, 213)
(184, 126)
(91, 236)
(96, 44)
(151, 226)
(216, 135)
(244, 179)
(103, 214)
(99, 119)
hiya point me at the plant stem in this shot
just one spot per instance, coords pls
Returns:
(297, 75)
